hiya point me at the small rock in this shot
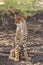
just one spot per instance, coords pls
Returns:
(29, 63)
(37, 63)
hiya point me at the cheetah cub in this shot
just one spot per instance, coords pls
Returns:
(20, 37)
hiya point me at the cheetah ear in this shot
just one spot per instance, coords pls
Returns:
(24, 16)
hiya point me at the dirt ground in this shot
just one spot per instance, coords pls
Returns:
(34, 43)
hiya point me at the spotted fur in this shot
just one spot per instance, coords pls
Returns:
(20, 37)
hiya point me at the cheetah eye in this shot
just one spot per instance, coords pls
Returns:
(16, 22)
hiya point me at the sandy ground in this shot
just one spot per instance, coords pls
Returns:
(34, 43)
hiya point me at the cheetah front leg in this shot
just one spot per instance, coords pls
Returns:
(25, 52)
(14, 54)
(11, 56)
